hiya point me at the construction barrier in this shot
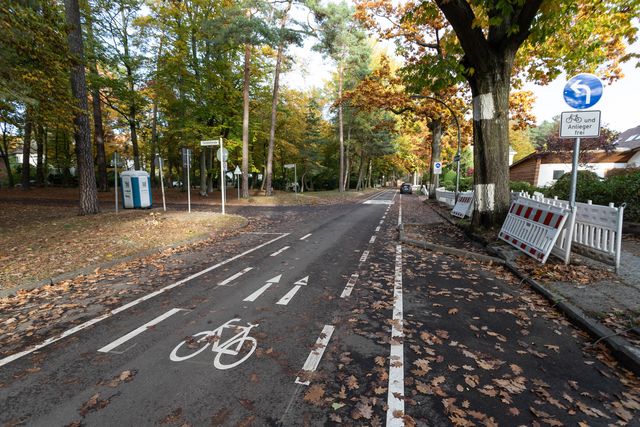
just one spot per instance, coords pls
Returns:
(596, 231)
(446, 197)
(533, 227)
(464, 205)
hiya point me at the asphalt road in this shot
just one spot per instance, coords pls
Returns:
(276, 297)
(324, 319)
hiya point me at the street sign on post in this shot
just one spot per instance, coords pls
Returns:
(583, 91)
(237, 172)
(210, 142)
(186, 162)
(222, 154)
(580, 124)
(437, 168)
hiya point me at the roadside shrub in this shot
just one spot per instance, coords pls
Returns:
(589, 187)
(625, 188)
(523, 186)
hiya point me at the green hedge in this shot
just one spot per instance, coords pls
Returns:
(621, 187)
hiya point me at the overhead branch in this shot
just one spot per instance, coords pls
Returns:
(462, 19)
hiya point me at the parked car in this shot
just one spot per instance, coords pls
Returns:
(405, 188)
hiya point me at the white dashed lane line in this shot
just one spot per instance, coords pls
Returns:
(313, 360)
(350, 284)
(364, 256)
(278, 252)
(115, 344)
(289, 295)
(373, 239)
(304, 237)
(234, 277)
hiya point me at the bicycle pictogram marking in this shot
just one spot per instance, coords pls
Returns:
(571, 118)
(235, 350)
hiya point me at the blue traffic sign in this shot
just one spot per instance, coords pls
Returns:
(583, 91)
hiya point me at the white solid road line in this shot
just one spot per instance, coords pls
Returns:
(364, 256)
(260, 291)
(278, 252)
(107, 348)
(285, 299)
(313, 360)
(395, 396)
(133, 303)
(305, 236)
(234, 277)
(350, 284)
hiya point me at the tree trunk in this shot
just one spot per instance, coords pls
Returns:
(26, 149)
(245, 121)
(341, 182)
(490, 91)
(210, 173)
(436, 149)
(369, 174)
(98, 130)
(82, 132)
(4, 150)
(203, 172)
(40, 134)
(274, 104)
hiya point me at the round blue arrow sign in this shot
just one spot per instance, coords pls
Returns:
(583, 91)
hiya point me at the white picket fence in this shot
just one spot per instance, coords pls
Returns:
(592, 230)
(446, 197)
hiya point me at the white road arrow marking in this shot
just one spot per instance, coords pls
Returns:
(302, 281)
(578, 88)
(285, 299)
(260, 291)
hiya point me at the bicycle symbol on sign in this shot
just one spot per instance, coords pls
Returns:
(573, 118)
(230, 353)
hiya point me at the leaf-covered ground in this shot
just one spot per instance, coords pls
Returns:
(42, 242)
(480, 349)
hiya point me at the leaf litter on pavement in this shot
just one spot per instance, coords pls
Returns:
(480, 349)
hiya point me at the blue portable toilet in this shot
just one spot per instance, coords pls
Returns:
(136, 189)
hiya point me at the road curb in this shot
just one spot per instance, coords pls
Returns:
(448, 250)
(622, 350)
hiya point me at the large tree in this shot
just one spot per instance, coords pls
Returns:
(82, 132)
(554, 36)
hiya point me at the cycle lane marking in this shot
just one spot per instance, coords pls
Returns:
(289, 295)
(395, 396)
(313, 360)
(133, 303)
(278, 252)
(235, 276)
(260, 291)
(115, 344)
(350, 284)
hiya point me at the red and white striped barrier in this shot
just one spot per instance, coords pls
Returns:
(533, 227)
(464, 205)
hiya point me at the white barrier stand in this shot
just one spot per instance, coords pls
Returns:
(464, 206)
(533, 227)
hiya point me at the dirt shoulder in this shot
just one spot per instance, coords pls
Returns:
(44, 240)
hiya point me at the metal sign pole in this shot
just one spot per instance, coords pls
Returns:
(574, 174)
(189, 179)
(115, 164)
(295, 176)
(222, 183)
